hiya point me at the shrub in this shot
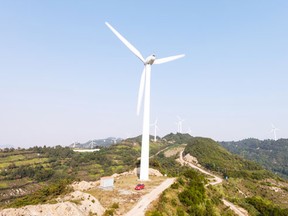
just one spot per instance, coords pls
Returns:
(115, 205)
(265, 207)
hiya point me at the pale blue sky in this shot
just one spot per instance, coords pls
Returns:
(65, 77)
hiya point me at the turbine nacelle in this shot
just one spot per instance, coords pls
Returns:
(150, 59)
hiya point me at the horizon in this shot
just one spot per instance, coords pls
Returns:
(151, 135)
(65, 77)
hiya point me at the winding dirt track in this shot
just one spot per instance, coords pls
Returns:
(238, 210)
(141, 206)
(217, 180)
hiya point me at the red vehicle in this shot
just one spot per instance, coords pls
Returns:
(139, 186)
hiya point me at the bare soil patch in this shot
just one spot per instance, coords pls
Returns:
(124, 192)
(173, 151)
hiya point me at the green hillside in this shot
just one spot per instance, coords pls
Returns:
(273, 155)
(42, 174)
(246, 183)
(214, 157)
(37, 168)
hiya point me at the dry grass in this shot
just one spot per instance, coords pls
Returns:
(174, 151)
(124, 192)
(269, 189)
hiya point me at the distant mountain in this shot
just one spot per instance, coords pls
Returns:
(6, 146)
(273, 155)
(96, 143)
(177, 138)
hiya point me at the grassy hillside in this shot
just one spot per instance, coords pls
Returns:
(273, 155)
(28, 171)
(247, 182)
(214, 157)
(42, 173)
(188, 196)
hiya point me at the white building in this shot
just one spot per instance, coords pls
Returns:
(107, 182)
(85, 150)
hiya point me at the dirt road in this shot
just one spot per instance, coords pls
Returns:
(217, 180)
(238, 210)
(139, 209)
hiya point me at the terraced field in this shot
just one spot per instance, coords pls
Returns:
(24, 171)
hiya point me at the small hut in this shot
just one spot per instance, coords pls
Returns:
(107, 182)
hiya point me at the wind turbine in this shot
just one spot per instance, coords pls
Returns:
(114, 140)
(74, 144)
(155, 129)
(179, 123)
(92, 144)
(144, 85)
(273, 130)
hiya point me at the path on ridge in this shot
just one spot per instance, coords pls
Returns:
(140, 208)
(217, 180)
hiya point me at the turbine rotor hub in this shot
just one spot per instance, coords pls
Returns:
(150, 59)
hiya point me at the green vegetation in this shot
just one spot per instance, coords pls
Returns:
(44, 173)
(265, 207)
(178, 138)
(33, 169)
(273, 155)
(188, 196)
(165, 165)
(238, 189)
(214, 157)
(44, 195)
(111, 210)
(245, 180)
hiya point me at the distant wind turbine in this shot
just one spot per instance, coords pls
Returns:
(144, 85)
(92, 144)
(273, 130)
(179, 123)
(114, 140)
(155, 129)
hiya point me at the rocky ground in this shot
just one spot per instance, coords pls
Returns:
(76, 203)
(81, 202)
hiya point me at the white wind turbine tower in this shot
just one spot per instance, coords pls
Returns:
(178, 126)
(179, 123)
(155, 129)
(92, 144)
(144, 85)
(273, 130)
(114, 140)
(75, 143)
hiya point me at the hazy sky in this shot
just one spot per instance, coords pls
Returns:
(65, 77)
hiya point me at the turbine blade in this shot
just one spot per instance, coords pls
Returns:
(141, 90)
(129, 45)
(167, 59)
